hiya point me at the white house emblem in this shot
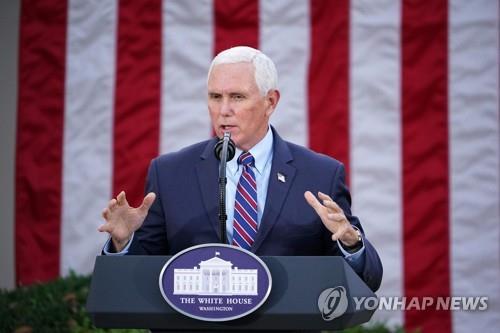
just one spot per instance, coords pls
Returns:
(215, 282)
(216, 277)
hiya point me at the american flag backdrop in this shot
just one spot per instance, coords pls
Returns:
(405, 93)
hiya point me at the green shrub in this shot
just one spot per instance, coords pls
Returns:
(375, 328)
(57, 306)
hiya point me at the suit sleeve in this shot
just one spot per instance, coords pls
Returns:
(372, 270)
(151, 237)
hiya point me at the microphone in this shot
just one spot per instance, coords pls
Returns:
(230, 148)
(224, 151)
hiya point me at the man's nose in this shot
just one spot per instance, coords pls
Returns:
(225, 108)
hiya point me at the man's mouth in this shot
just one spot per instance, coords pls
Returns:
(227, 127)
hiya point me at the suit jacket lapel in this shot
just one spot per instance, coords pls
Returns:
(207, 171)
(278, 188)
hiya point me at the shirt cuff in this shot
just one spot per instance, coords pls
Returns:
(107, 248)
(357, 259)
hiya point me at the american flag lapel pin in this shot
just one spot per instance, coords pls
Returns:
(281, 177)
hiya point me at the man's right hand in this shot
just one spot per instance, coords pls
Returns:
(122, 220)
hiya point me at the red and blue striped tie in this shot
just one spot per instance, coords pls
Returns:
(245, 205)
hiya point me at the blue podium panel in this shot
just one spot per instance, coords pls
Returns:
(125, 293)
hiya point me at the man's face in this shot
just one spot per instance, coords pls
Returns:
(236, 105)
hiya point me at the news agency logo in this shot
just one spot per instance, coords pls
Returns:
(434, 303)
(332, 303)
(215, 282)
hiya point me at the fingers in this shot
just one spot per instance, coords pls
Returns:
(337, 235)
(122, 199)
(106, 227)
(332, 215)
(347, 235)
(323, 196)
(147, 202)
(343, 233)
(312, 201)
(112, 204)
(102, 228)
(326, 201)
(105, 213)
(340, 232)
(329, 203)
(336, 217)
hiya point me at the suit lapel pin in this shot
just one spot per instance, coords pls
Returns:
(281, 177)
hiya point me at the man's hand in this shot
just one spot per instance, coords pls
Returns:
(122, 220)
(333, 218)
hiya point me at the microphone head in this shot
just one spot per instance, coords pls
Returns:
(231, 148)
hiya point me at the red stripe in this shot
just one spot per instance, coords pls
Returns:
(243, 234)
(425, 159)
(236, 23)
(250, 181)
(137, 99)
(244, 214)
(329, 79)
(39, 139)
(251, 202)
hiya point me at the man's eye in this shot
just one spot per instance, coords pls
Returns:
(215, 96)
(238, 97)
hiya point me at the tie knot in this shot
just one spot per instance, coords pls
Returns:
(246, 159)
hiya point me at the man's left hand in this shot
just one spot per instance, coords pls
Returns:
(333, 218)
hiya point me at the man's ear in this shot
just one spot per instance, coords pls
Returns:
(272, 99)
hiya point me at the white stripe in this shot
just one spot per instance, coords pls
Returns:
(249, 180)
(236, 242)
(474, 160)
(242, 211)
(375, 136)
(241, 234)
(87, 130)
(252, 204)
(284, 37)
(187, 53)
(9, 39)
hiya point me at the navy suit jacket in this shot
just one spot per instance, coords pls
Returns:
(185, 212)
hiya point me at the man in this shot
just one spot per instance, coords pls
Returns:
(269, 190)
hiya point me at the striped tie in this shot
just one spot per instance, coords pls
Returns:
(245, 205)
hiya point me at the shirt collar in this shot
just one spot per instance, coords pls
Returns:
(261, 152)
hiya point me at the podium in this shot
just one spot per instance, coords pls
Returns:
(125, 293)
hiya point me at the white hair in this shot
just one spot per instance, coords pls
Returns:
(265, 73)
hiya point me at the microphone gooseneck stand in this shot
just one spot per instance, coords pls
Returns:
(224, 151)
